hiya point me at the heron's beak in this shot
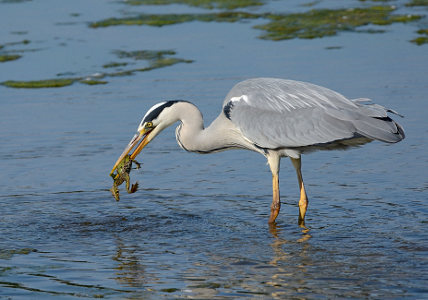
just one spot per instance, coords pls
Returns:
(141, 137)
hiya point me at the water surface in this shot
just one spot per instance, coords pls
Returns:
(197, 228)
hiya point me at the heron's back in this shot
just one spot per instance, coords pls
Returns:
(278, 113)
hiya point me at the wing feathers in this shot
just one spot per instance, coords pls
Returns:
(385, 129)
(276, 113)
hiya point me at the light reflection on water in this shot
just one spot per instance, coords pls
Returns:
(83, 245)
(197, 228)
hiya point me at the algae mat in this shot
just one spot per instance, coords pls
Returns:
(309, 24)
(154, 59)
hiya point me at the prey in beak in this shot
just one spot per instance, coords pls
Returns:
(140, 140)
(123, 165)
(123, 170)
(154, 121)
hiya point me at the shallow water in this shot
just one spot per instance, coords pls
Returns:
(197, 227)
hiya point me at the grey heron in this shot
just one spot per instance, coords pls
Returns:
(276, 118)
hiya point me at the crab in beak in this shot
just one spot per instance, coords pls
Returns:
(139, 141)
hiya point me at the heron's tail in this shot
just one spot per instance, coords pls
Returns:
(375, 123)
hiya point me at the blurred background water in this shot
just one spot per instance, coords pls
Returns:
(197, 227)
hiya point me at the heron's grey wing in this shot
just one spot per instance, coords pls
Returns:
(276, 113)
(283, 95)
(296, 128)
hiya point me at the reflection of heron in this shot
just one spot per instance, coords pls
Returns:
(290, 272)
(129, 270)
(276, 118)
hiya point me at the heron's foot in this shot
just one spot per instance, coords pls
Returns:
(301, 222)
(303, 207)
(273, 229)
(274, 211)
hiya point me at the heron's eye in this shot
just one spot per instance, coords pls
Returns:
(149, 124)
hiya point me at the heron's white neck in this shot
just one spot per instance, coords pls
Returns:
(192, 136)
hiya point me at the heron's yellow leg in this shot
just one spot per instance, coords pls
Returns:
(273, 161)
(276, 203)
(303, 202)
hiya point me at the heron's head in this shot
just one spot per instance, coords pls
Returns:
(157, 118)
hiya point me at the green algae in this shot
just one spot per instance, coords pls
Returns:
(417, 3)
(150, 55)
(315, 23)
(423, 31)
(7, 57)
(93, 81)
(328, 22)
(421, 40)
(150, 20)
(19, 32)
(35, 84)
(167, 61)
(115, 65)
(155, 59)
(171, 19)
(8, 253)
(23, 42)
(208, 4)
